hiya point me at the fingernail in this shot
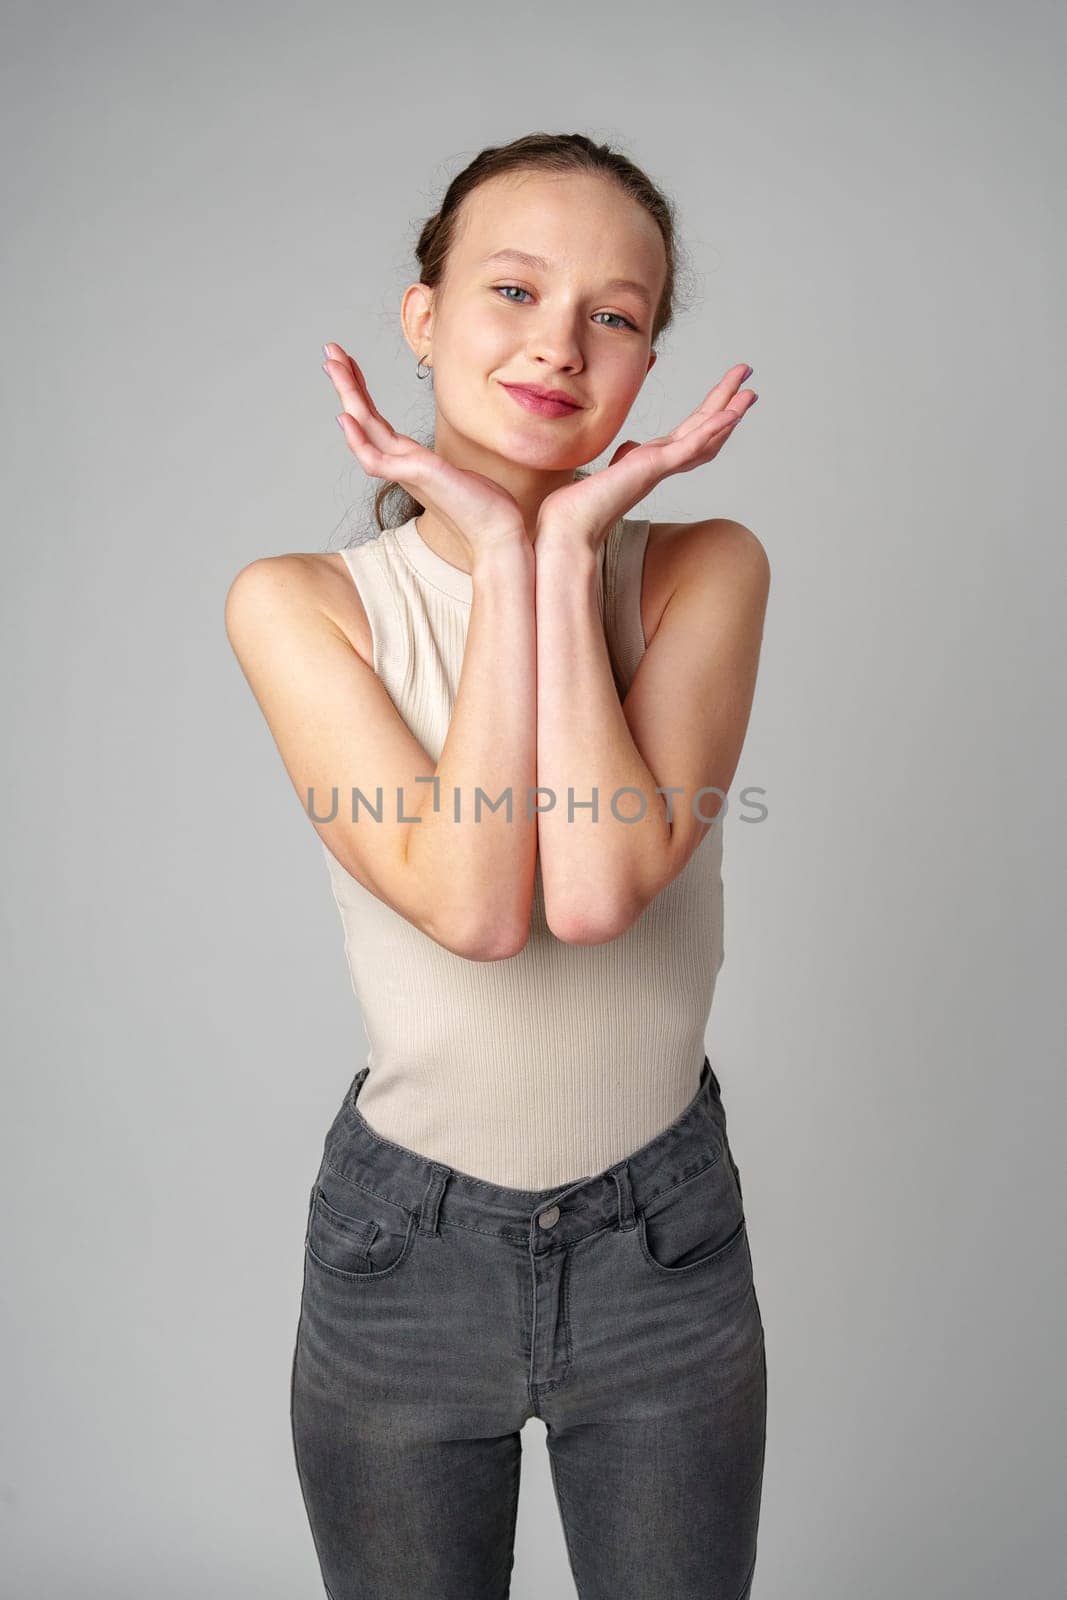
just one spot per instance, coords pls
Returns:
(326, 352)
(339, 423)
(748, 374)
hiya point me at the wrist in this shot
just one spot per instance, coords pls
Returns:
(505, 556)
(559, 548)
(556, 536)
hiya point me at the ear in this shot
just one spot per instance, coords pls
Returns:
(416, 316)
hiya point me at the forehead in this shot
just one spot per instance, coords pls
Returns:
(562, 222)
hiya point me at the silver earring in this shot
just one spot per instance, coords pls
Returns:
(419, 374)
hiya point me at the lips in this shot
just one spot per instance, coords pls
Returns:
(545, 394)
(552, 404)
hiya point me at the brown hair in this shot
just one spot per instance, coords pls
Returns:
(542, 152)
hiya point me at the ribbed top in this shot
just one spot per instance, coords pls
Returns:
(550, 1065)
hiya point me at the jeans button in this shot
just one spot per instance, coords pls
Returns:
(549, 1218)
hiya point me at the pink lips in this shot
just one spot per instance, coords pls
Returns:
(539, 405)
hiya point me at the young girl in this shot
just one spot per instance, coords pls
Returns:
(513, 717)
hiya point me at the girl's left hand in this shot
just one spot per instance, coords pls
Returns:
(588, 509)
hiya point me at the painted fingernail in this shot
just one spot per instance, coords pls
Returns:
(326, 352)
(339, 422)
(748, 374)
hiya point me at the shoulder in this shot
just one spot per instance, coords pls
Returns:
(717, 550)
(674, 546)
(273, 585)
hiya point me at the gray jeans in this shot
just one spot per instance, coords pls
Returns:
(439, 1312)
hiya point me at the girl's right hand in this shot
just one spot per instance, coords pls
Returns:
(475, 509)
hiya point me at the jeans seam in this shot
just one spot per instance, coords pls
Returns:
(375, 1194)
(514, 1523)
(728, 1247)
(744, 1589)
(296, 1448)
(566, 1525)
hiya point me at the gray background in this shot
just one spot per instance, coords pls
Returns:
(871, 201)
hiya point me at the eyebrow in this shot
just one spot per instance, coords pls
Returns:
(524, 259)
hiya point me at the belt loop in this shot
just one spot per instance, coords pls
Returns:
(356, 1085)
(431, 1200)
(621, 1174)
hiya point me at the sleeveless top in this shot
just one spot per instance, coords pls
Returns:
(549, 1065)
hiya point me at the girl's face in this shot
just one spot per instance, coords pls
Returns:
(577, 319)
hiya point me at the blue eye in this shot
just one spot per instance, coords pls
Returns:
(503, 288)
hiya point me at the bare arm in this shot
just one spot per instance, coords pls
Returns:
(682, 724)
(467, 884)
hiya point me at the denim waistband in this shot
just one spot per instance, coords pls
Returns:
(540, 1219)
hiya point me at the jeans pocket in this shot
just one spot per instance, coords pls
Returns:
(355, 1233)
(696, 1223)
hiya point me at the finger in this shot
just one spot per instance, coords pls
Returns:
(726, 388)
(370, 459)
(702, 443)
(403, 459)
(348, 379)
(687, 449)
(724, 394)
(736, 408)
(352, 391)
(716, 429)
(350, 383)
(391, 448)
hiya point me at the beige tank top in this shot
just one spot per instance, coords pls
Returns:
(552, 1064)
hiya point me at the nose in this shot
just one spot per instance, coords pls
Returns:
(556, 345)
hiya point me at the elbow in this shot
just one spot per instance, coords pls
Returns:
(590, 925)
(486, 941)
(501, 949)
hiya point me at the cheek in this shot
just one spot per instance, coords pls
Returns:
(629, 375)
(484, 342)
(614, 402)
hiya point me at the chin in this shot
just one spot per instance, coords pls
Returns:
(519, 448)
(542, 460)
